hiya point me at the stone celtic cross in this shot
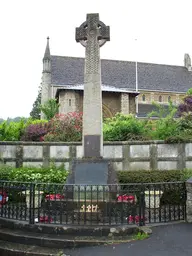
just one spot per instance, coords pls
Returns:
(92, 34)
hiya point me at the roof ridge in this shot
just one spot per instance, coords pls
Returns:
(126, 61)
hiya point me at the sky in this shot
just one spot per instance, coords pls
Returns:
(155, 31)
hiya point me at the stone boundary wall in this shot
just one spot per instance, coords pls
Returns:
(150, 155)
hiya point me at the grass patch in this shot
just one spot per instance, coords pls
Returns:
(140, 236)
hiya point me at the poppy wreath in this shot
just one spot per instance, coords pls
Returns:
(52, 197)
(45, 219)
(3, 197)
(126, 198)
(136, 219)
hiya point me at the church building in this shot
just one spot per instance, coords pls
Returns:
(63, 79)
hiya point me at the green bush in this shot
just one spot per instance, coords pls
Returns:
(143, 176)
(173, 195)
(52, 174)
(124, 127)
(13, 131)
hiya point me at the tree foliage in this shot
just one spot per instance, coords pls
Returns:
(50, 108)
(36, 112)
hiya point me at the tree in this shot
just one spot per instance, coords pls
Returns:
(50, 108)
(36, 111)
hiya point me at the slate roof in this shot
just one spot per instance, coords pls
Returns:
(104, 88)
(121, 74)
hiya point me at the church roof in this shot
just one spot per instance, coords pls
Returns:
(121, 74)
(104, 88)
(47, 54)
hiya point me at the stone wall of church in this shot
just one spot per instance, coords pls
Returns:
(132, 104)
(68, 102)
(125, 103)
(160, 97)
(112, 101)
(71, 101)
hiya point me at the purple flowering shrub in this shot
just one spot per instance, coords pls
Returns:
(35, 132)
(186, 106)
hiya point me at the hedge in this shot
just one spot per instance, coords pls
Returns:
(142, 176)
(59, 174)
(172, 195)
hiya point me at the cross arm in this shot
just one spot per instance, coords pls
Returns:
(81, 33)
(104, 33)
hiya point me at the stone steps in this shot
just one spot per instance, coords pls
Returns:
(19, 238)
(15, 249)
(48, 240)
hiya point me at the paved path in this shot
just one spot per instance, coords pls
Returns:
(169, 240)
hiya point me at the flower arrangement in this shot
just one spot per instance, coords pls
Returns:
(135, 219)
(45, 219)
(126, 198)
(52, 197)
(3, 197)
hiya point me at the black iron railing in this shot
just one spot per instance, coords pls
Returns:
(93, 204)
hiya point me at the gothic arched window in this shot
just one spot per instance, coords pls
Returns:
(160, 98)
(143, 97)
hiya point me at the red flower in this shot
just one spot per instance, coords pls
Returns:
(126, 198)
(3, 197)
(41, 138)
(54, 196)
(135, 219)
(45, 219)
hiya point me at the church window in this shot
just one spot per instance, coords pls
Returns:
(143, 98)
(160, 98)
(169, 98)
(69, 102)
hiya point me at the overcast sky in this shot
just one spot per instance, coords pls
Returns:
(162, 28)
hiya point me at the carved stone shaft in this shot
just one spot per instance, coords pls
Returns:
(92, 34)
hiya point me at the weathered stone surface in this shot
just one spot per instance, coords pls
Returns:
(119, 153)
(188, 164)
(79, 151)
(13, 164)
(139, 151)
(118, 166)
(188, 149)
(92, 172)
(125, 103)
(34, 164)
(167, 165)
(33, 152)
(92, 34)
(139, 166)
(66, 165)
(113, 151)
(166, 150)
(7, 151)
(59, 152)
